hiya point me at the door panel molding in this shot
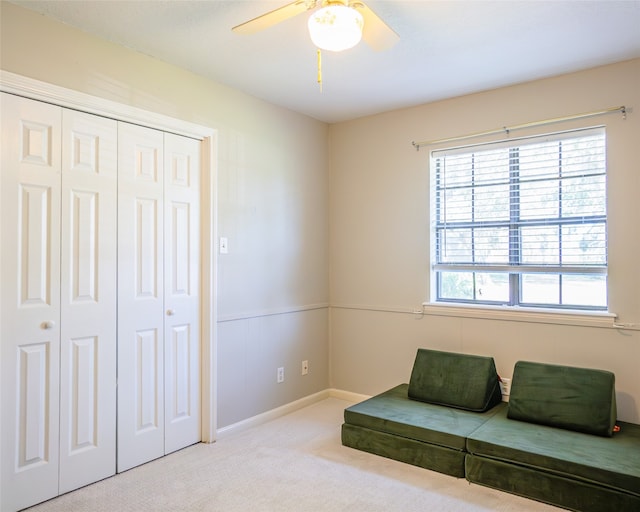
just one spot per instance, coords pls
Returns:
(88, 299)
(80, 350)
(30, 302)
(50, 93)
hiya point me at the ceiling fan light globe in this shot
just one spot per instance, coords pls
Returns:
(335, 28)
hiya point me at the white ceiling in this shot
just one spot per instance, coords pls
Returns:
(446, 48)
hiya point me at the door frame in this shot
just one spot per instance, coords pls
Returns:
(37, 90)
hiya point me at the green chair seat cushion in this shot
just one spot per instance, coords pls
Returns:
(579, 399)
(457, 380)
(393, 412)
(612, 462)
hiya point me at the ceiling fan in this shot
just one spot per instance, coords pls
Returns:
(326, 20)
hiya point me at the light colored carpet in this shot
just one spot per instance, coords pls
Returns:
(294, 463)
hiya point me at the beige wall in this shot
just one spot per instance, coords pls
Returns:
(272, 199)
(379, 242)
(286, 218)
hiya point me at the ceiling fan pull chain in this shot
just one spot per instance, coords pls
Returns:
(319, 69)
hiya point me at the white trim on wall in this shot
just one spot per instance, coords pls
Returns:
(61, 96)
(272, 312)
(49, 93)
(488, 312)
(283, 410)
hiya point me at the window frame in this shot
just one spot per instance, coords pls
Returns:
(515, 270)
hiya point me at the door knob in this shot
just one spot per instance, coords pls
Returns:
(48, 324)
(170, 312)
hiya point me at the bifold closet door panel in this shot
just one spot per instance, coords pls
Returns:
(140, 296)
(30, 301)
(100, 298)
(88, 300)
(182, 291)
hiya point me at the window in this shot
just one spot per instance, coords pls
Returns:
(522, 222)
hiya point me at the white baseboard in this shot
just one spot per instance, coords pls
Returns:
(272, 414)
(264, 417)
(348, 395)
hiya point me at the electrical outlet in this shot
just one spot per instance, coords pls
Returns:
(505, 386)
(305, 367)
(280, 377)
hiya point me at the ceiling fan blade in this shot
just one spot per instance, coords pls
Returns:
(273, 17)
(376, 33)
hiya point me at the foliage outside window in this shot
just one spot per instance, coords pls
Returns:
(522, 222)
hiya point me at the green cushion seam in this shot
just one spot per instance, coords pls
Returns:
(444, 404)
(463, 450)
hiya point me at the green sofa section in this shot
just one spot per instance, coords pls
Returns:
(556, 441)
(569, 469)
(578, 399)
(456, 380)
(546, 487)
(394, 426)
(426, 422)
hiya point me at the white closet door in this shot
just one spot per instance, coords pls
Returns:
(88, 300)
(30, 300)
(182, 292)
(140, 296)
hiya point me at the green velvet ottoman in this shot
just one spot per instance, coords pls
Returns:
(556, 443)
(394, 426)
(426, 422)
(568, 469)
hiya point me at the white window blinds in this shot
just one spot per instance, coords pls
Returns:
(522, 221)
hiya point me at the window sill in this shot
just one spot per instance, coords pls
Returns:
(521, 314)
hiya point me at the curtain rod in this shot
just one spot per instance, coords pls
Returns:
(506, 130)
